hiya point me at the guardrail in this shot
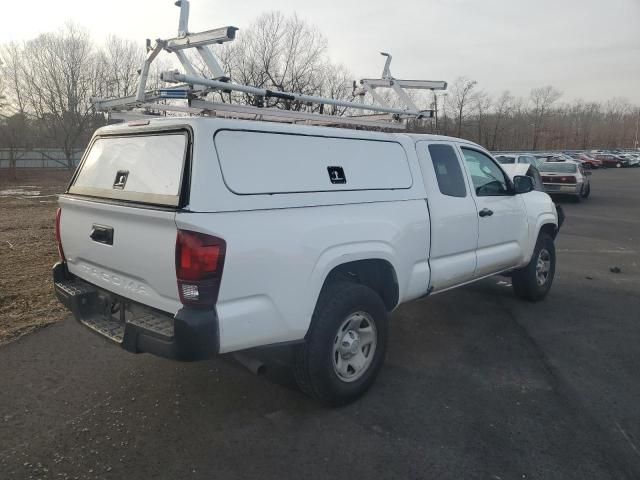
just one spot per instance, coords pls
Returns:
(39, 158)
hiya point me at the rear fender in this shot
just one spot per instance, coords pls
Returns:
(341, 254)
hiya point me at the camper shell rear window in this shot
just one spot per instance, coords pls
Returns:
(145, 167)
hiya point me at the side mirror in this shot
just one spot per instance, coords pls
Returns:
(522, 184)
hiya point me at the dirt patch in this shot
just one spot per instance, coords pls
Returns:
(28, 250)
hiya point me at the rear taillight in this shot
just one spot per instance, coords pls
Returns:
(199, 263)
(58, 237)
(567, 179)
(559, 179)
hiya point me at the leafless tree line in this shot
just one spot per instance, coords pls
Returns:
(46, 85)
(537, 122)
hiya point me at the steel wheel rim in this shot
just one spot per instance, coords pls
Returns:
(354, 346)
(543, 267)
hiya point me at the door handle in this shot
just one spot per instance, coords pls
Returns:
(102, 234)
(485, 212)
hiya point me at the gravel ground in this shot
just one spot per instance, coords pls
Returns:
(28, 250)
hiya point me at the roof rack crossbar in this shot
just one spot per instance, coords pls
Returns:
(174, 77)
(231, 110)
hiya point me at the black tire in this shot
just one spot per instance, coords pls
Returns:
(586, 192)
(314, 360)
(577, 198)
(525, 280)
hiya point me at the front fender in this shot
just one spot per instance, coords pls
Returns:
(542, 220)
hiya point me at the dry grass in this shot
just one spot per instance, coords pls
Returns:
(28, 250)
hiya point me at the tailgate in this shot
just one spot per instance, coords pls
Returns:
(140, 262)
(117, 224)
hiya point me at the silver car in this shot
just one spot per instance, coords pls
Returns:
(566, 177)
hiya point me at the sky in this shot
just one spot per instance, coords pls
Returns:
(588, 49)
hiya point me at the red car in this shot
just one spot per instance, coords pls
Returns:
(587, 160)
(611, 160)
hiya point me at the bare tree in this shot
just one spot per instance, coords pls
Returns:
(118, 64)
(541, 101)
(502, 109)
(481, 104)
(335, 83)
(459, 99)
(279, 53)
(15, 138)
(3, 97)
(15, 128)
(11, 69)
(57, 72)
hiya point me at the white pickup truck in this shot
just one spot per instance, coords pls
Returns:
(191, 237)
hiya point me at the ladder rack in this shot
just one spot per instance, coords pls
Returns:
(192, 88)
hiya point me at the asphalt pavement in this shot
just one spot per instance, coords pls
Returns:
(477, 384)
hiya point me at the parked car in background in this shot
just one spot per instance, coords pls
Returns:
(560, 157)
(611, 160)
(588, 161)
(632, 159)
(516, 158)
(566, 177)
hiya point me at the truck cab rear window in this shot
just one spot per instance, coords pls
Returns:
(138, 168)
(448, 171)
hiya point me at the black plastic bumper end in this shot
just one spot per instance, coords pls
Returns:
(193, 334)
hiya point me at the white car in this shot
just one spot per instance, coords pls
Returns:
(516, 158)
(191, 237)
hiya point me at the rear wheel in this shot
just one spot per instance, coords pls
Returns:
(534, 281)
(345, 346)
(586, 191)
(618, 165)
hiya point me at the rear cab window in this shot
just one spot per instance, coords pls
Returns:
(448, 171)
(140, 167)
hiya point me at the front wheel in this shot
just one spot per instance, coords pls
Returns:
(533, 282)
(345, 346)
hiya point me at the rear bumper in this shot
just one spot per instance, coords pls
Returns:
(571, 189)
(189, 335)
